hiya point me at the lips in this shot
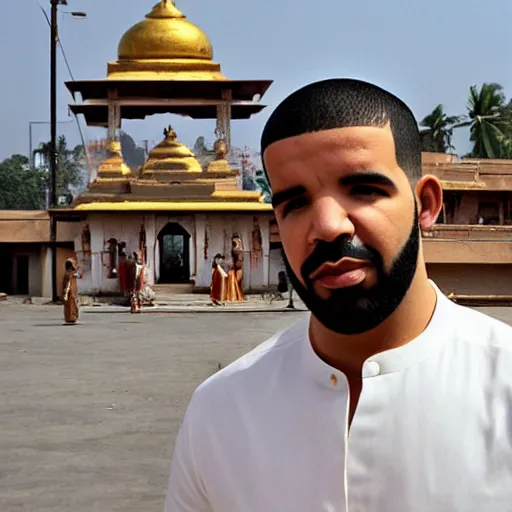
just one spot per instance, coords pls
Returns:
(342, 274)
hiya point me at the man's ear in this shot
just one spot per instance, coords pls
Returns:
(429, 195)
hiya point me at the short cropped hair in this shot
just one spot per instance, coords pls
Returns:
(343, 102)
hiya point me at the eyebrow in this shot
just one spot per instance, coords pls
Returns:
(287, 194)
(367, 178)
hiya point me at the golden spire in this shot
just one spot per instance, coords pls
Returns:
(165, 9)
(170, 156)
(113, 166)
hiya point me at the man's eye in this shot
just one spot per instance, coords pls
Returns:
(368, 190)
(294, 204)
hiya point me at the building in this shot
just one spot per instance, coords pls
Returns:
(469, 250)
(175, 212)
(25, 254)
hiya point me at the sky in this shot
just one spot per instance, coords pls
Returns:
(426, 53)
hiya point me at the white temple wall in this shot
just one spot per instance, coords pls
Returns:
(220, 229)
(95, 280)
(260, 269)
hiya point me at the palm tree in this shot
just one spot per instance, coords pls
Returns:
(71, 165)
(438, 133)
(490, 121)
(263, 185)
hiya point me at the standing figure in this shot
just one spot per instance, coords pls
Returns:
(137, 283)
(70, 295)
(234, 292)
(218, 286)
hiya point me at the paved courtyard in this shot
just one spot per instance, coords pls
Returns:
(89, 413)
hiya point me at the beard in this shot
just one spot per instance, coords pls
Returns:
(356, 309)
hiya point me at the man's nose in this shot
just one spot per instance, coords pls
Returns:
(330, 220)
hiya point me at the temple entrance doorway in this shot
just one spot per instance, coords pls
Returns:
(174, 242)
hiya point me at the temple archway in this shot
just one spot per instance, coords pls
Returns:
(174, 244)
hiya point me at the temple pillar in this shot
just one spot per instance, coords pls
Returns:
(223, 128)
(98, 271)
(151, 242)
(114, 116)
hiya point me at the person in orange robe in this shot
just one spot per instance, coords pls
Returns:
(136, 282)
(218, 288)
(70, 296)
(234, 291)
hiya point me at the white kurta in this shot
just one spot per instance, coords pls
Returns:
(432, 430)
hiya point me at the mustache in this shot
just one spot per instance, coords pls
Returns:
(342, 247)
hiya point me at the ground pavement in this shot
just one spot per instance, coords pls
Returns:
(201, 303)
(89, 413)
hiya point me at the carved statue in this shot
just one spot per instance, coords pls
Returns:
(221, 149)
(169, 133)
(220, 164)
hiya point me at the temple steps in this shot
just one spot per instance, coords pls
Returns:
(173, 289)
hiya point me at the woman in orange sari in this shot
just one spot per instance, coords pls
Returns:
(70, 297)
(234, 292)
(218, 288)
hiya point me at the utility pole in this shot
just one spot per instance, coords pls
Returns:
(54, 39)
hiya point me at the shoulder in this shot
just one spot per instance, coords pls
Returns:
(481, 342)
(479, 329)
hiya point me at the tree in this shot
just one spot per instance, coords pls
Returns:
(490, 122)
(133, 155)
(21, 188)
(263, 185)
(71, 164)
(437, 137)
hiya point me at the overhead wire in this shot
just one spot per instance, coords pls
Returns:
(61, 46)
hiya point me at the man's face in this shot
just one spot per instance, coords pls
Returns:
(348, 223)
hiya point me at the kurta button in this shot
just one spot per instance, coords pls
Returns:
(371, 369)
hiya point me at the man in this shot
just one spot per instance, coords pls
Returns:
(389, 397)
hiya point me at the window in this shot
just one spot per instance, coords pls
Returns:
(111, 250)
(488, 213)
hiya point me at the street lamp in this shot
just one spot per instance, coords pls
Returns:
(54, 40)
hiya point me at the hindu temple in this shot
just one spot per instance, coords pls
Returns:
(175, 212)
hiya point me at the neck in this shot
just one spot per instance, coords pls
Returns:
(348, 353)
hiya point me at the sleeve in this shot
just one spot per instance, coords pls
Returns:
(186, 492)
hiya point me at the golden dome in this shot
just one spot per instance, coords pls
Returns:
(170, 156)
(165, 34)
(165, 46)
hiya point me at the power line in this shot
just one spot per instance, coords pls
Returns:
(61, 46)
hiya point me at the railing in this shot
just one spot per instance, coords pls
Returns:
(469, 232)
